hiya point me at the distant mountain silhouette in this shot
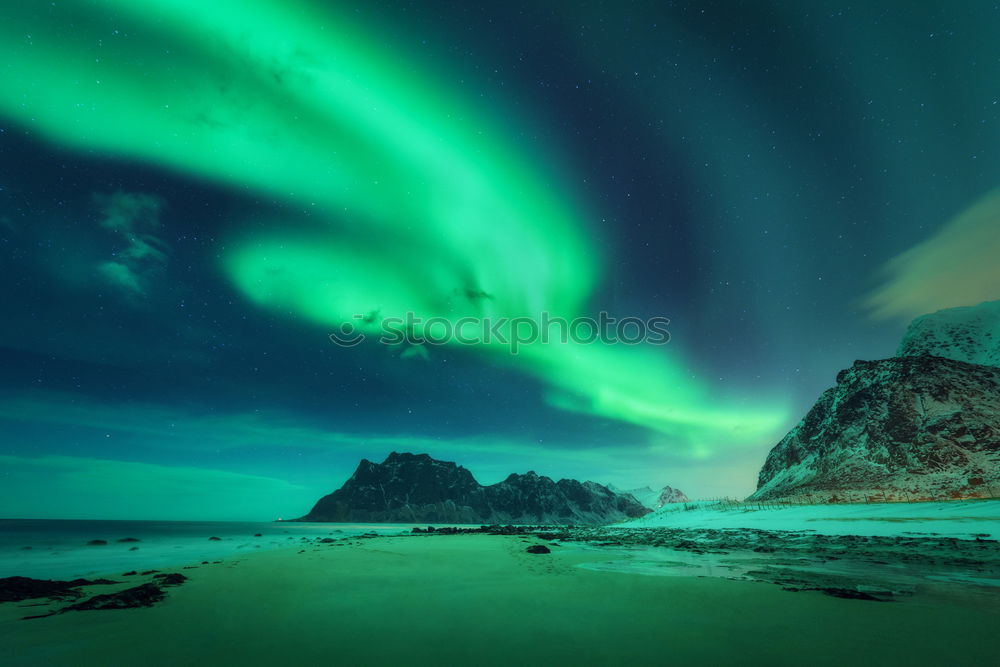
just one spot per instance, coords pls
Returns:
(651, 498)
(415, 488)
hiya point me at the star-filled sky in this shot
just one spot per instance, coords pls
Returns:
(193, 196)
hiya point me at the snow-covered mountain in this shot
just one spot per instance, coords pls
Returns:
(921, 427)
(415, 488)
(963, 334)
(669, 494)
(651, 498)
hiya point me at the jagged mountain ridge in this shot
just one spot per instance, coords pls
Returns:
(911, 427)
(415, 488)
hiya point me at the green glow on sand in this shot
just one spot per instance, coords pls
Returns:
(428, 205)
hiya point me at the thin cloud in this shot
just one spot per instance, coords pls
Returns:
(133, 218)
(957, 266)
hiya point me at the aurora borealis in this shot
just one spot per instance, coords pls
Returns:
(195, 194)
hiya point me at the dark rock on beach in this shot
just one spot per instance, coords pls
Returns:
(97, 543)
(834, 585)
(14, 589)
(538, 549)
(145, 595)
(170, 579)
(851, 594)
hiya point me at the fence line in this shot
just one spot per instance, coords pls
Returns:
(837, 498)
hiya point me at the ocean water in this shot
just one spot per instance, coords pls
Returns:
(59, 549)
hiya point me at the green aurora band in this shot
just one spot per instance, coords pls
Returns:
(426, 206)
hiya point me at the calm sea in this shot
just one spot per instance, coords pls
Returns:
(59, 548)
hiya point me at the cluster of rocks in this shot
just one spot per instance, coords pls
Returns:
(794, 560)
(976, 553)
(145, 595)
(444, 530)
(494, 529)
(834, 585)
(104, 543)
(979, 550)
(16, 589)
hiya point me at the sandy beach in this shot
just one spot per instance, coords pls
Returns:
(482, 599)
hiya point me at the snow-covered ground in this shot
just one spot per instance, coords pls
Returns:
(954, 518)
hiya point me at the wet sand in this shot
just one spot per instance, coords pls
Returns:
(481, 599)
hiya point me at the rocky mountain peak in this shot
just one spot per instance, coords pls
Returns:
(417, 488)
(912, 427)
(922, 425)
(653, 498)
(671, 495)
(406, 457)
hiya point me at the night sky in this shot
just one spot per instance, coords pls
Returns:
(193, 196)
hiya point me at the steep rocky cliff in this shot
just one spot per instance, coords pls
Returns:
(910, 427)
(415, 488)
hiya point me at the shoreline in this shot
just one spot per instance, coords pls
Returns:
(63, 549)
(474, 598)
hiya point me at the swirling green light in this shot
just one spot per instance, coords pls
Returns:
(428, 208)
